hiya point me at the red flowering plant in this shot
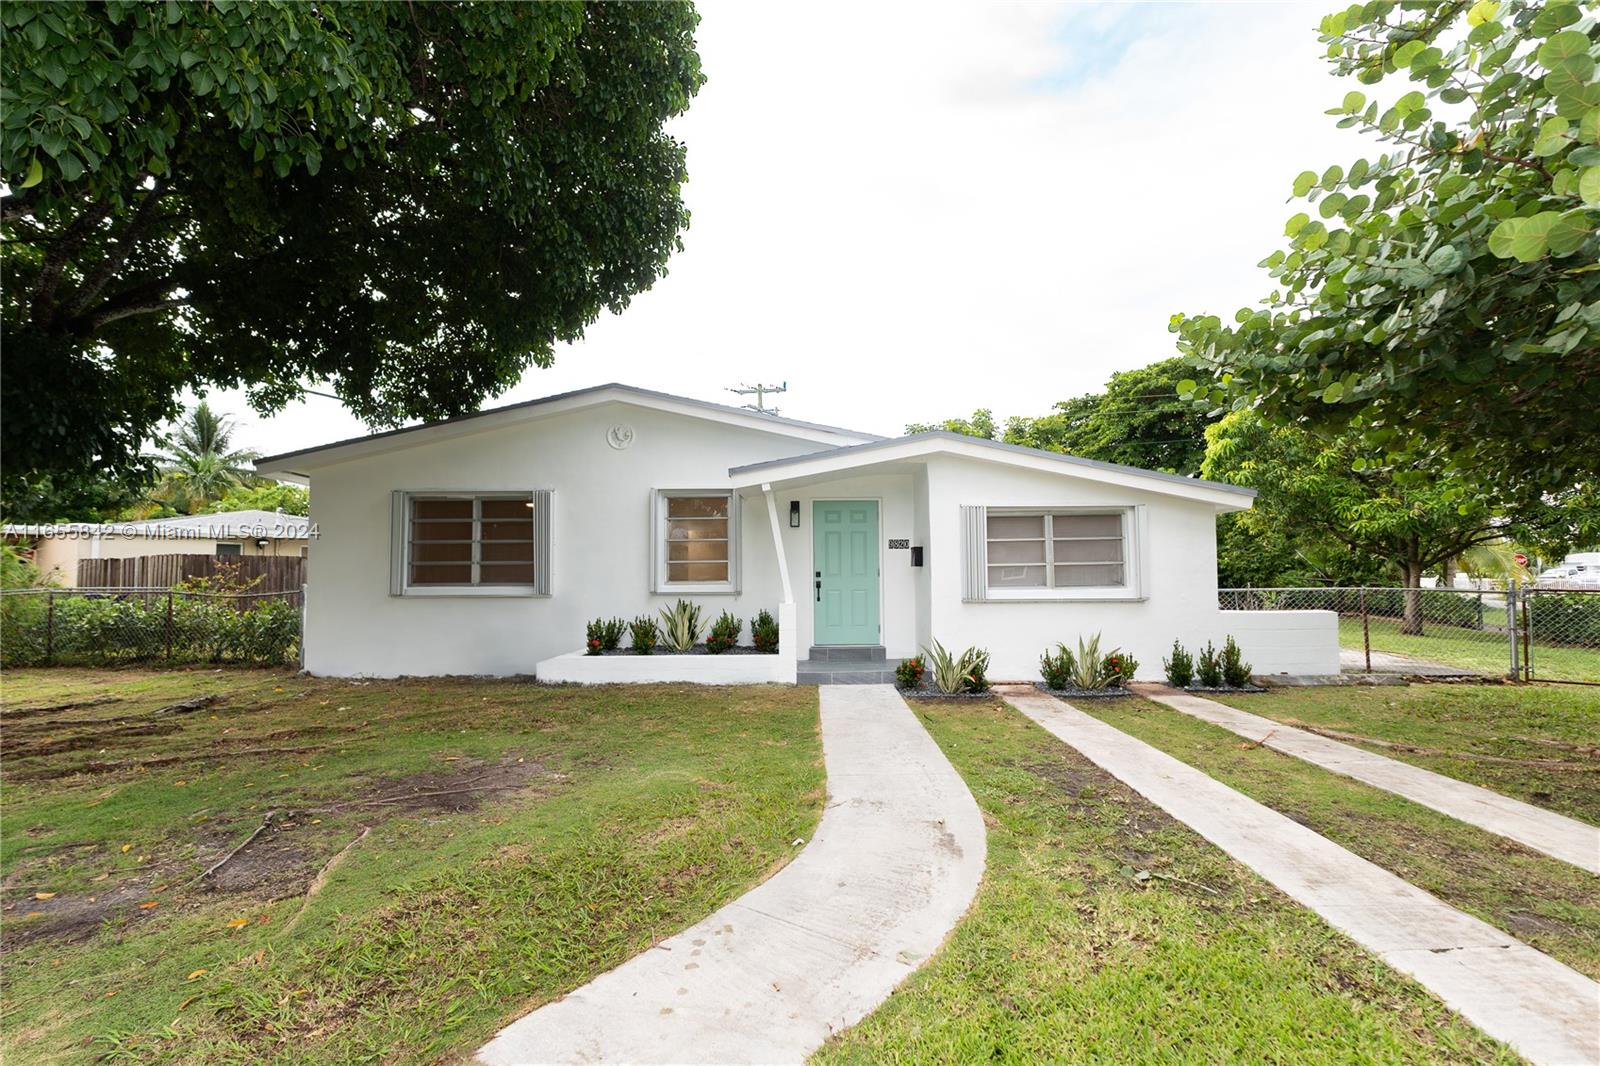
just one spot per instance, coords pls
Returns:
(1118, 668)
(909, 673)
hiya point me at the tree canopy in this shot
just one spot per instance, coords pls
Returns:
(201, 465)
(1443, 298)
(413, 203)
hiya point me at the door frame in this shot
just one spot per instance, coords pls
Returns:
(811, 564)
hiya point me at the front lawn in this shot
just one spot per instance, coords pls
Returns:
(1537, 743)
(417, 863)
(1106, 932)
(1541, 900)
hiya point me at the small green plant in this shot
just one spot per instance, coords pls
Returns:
(1235, 671)
(643, 635)
(764, 633)
(1179, 667)
(1086, 672)
(594, 637)
(909, 673)
(1058, 667)
(958, 673)
(724, 633)
(680, 625)
(611, 631)
(1118, 668)
(1208, 668)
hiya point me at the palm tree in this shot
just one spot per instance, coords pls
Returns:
(199, 467)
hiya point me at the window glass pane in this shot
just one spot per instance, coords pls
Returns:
(1016, 526)
(697, 572)
(697, 506)
(517, 510)
(511, 551)
(453, 552)
(427, 530)
(1016, 577)
(1088, 576)
(435, 574)
(230, 549)
(502, 530)
(1088, 551)
(505, 574)
(1087, 525)
(1016, 551)
(697, 529)
(698, 551)
(441, 508)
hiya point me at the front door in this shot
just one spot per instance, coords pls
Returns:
(844, 557)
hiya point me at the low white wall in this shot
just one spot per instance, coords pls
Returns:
(583, 669)
(1286, 642)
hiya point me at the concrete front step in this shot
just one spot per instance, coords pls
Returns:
(846, 672)
(863, 653)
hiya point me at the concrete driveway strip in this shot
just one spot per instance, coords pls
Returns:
(1548, 1012)
(894, 864)
(1554, 834)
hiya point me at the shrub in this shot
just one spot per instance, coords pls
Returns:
(909, 673)
(643, 634)
(611, 631)
(724, 633)
(1235, 671)
(1571, 618)
(1057, 669)
(680, 625)
(1208, 668)
(1118, 668)
(1179, 668)
(958, 673)
(594, 637)
(764, 633)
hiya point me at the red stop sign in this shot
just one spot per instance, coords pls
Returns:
(1522, 560)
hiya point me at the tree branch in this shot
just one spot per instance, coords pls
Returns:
(72, 239)
(118, 255)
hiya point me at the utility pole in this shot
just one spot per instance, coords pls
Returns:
(760, 391)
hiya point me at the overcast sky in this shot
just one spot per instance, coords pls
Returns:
(909, 210)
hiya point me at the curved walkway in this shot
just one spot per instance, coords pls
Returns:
(1545, 1010)
(893, 866)
(1554, 834)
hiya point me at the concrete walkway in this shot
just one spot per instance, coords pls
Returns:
(893, 866)
(1548, 1012)
(1554, 834)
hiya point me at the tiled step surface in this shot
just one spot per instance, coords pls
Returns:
(845, 672)
(872, 654)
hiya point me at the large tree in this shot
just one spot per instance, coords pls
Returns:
(200, 464)
(1442, 299)
(413, 203)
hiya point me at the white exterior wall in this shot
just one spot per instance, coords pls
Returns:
(1178, 586)
(601, 540)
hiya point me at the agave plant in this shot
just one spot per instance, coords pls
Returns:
(953, 673)
(1086, 672)
(680, 625)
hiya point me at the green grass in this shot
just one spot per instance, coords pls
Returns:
(626, 814)
(1541, 900)
(1476, 650)
(1550, 733)
(1067, 956)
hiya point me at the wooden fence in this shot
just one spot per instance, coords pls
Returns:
(277, 573)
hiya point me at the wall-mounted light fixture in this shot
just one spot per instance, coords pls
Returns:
(263, 543)
(794, 514)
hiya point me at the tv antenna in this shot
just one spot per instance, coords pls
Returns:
(760, 392)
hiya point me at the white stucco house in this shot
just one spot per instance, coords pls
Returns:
(483, 544)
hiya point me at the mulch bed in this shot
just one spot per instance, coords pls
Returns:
(698, 649)
(1106, 693)
(1225, 689)
(928, 691)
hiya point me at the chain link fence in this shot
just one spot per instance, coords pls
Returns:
(1542, 634)
(86, 626)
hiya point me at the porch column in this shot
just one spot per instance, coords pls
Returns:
(788, 643)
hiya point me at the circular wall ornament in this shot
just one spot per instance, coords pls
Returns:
(619, 436)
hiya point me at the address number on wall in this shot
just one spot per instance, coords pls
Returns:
(897, 543)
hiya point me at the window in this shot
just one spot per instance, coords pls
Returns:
(1056, 550)
(696, 541)
(470, 541)
(225, 549)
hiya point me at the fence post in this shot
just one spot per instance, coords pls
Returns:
(1366, 635)
(1511, 627)
(50, 627)
(169, 625)
(1527, 635)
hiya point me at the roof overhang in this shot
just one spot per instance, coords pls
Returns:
(884, 455)
(296, 466)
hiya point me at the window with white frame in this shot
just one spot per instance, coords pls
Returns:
(1037, 550)
(469, 541)
(696, 541)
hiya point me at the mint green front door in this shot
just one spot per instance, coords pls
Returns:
(844, 559)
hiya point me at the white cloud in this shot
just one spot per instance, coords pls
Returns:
(910, 210)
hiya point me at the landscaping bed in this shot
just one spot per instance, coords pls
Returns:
(252, 866)
(1109, 692)
(1070, 955)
